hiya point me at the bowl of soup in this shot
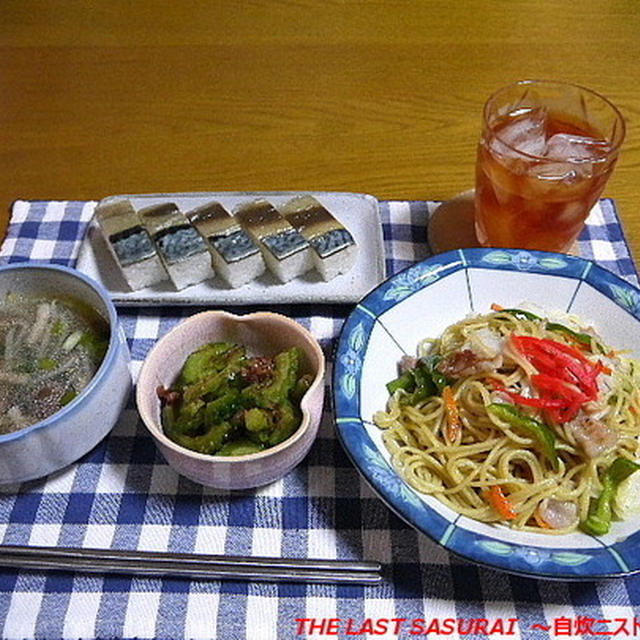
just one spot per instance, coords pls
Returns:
(64, 369)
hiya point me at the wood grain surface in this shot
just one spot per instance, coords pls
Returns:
(382, 97)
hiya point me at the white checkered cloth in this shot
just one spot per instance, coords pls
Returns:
(123, 495)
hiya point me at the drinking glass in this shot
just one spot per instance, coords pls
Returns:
(545, 154)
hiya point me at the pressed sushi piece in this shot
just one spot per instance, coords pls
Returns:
(286, 252)
(180, 247)
(130, 244)
(334, 250)
(234, 255)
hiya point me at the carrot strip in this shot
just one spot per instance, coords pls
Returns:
(496, 307)
(500, 503)
(452, 414)
(603, 368)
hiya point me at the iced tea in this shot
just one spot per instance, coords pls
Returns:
(543, 161)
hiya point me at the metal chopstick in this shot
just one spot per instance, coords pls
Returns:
(188, 565)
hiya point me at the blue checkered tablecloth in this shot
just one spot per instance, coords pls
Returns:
(124, 495)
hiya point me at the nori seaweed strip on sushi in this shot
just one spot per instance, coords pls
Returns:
(130, 244)
(234, 255)
(334, 250)
(286, 252)
(180, 246)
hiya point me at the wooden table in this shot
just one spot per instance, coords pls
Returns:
(382, 97)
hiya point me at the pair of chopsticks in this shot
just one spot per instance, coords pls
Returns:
(190, 565)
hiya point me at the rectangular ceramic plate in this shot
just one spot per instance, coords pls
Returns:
(357, 212)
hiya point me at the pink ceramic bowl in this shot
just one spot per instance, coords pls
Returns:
(263, 334)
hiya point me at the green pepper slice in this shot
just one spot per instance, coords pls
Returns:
(439, 380)
(598, 521)
(421, 382)
(583, 339)
(521, 313)
(541, 432)
(406, 382)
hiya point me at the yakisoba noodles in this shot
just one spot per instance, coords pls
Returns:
(513, 418)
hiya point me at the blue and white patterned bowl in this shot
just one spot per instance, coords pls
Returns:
(421, 302)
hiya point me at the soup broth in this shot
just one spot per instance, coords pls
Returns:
(50, 349)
